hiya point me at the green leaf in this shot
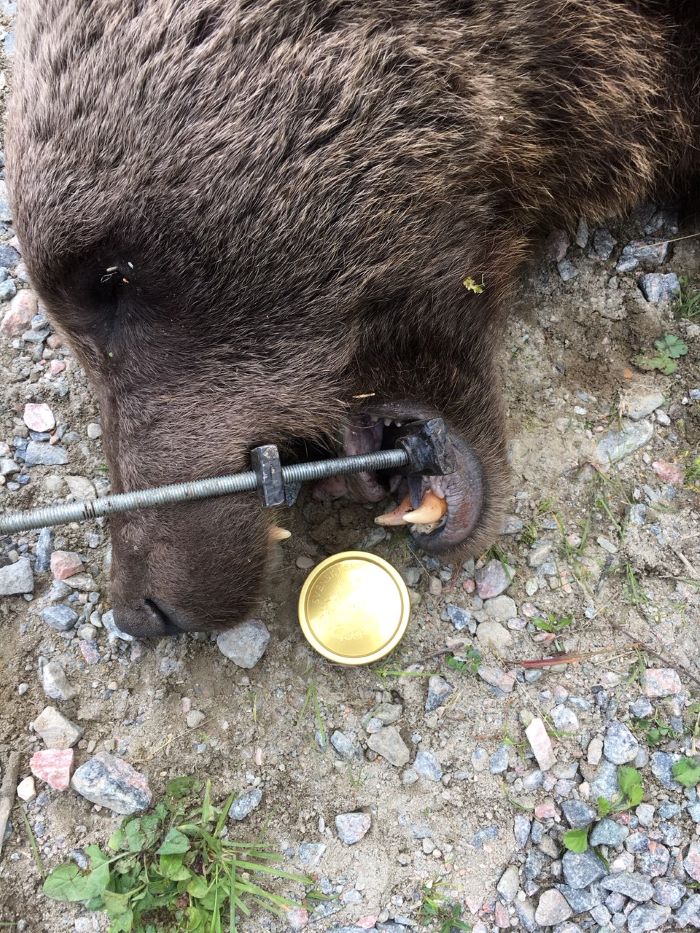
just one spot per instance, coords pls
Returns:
(116, 840)
(174, 843)
(687, 771)
(115, 903)
(672, 346)
(68, 883)
(96, 856)
(628, 779)
(576, 840)
(171, 867)
(134, 836)
(604, 807)
(181, 786)
(663, 363)
(197, 887)
(122, 923)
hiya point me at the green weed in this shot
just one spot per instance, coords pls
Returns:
(174, 870)
(668, 350)
(438, 909)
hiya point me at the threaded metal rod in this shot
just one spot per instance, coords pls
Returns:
(198, 489)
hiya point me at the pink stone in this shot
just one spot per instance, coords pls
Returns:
(503, 680)
(546, 810)
(54, 341)
(469, 585)
(53, 766)
(56, 367)
(39, 417)
(89, 651)
(668, 472)
(501, 916)
(19, 315)
(661, 682)
(541, 744)
(65, 564)
(692, 861)
(297, 918)
(367, 923)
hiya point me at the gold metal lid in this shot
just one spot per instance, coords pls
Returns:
(354, 608)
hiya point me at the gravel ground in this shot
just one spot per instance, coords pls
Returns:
(450, 773)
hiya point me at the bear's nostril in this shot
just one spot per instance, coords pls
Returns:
(166, 618)
(150, 619)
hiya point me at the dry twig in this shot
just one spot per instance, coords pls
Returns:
(7, 793)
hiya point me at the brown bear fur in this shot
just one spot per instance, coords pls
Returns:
(291, 193)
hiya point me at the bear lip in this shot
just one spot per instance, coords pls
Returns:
(463, 490)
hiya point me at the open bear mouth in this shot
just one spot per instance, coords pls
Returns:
(441, 512)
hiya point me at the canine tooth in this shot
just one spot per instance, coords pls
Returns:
(395, 517)
(431, 510)
(279, 534)
(387, 422)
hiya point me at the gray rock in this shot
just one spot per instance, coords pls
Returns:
(608, 833)
(620, 745)
(61, 618)
(461, 618)
(603, 244)
(491, 635)
(508, 885)
(641, 708)
(345, 746)
(580, 900)
(521, 830)
(110, 782)
(651, 917)
(604, 784)
(244, 804)
(439, 692)
(567, 270)
(582, 868)
(389, 744)
(245, 643)
(55, 682)
(641, 405)
(650, 252)
(39, 454)
(533, 780)
(662, 768)
(44, 549)
(493, 579)
(17, 578)
(501, 608)
(616, 445)
(113, 632)
(484, 835)
(9, 257)
(668, 893)
(427, 766)
(387, 713)
(352, 827)
(654, 861)
(499, 760)
(195, 718)
(659, 287)
(689, 912)
(310, 853)
(553, 908)
(631, 884)
(8, 467)
(565, 719)
(578, 814)
(582, 234)
(55, 730)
